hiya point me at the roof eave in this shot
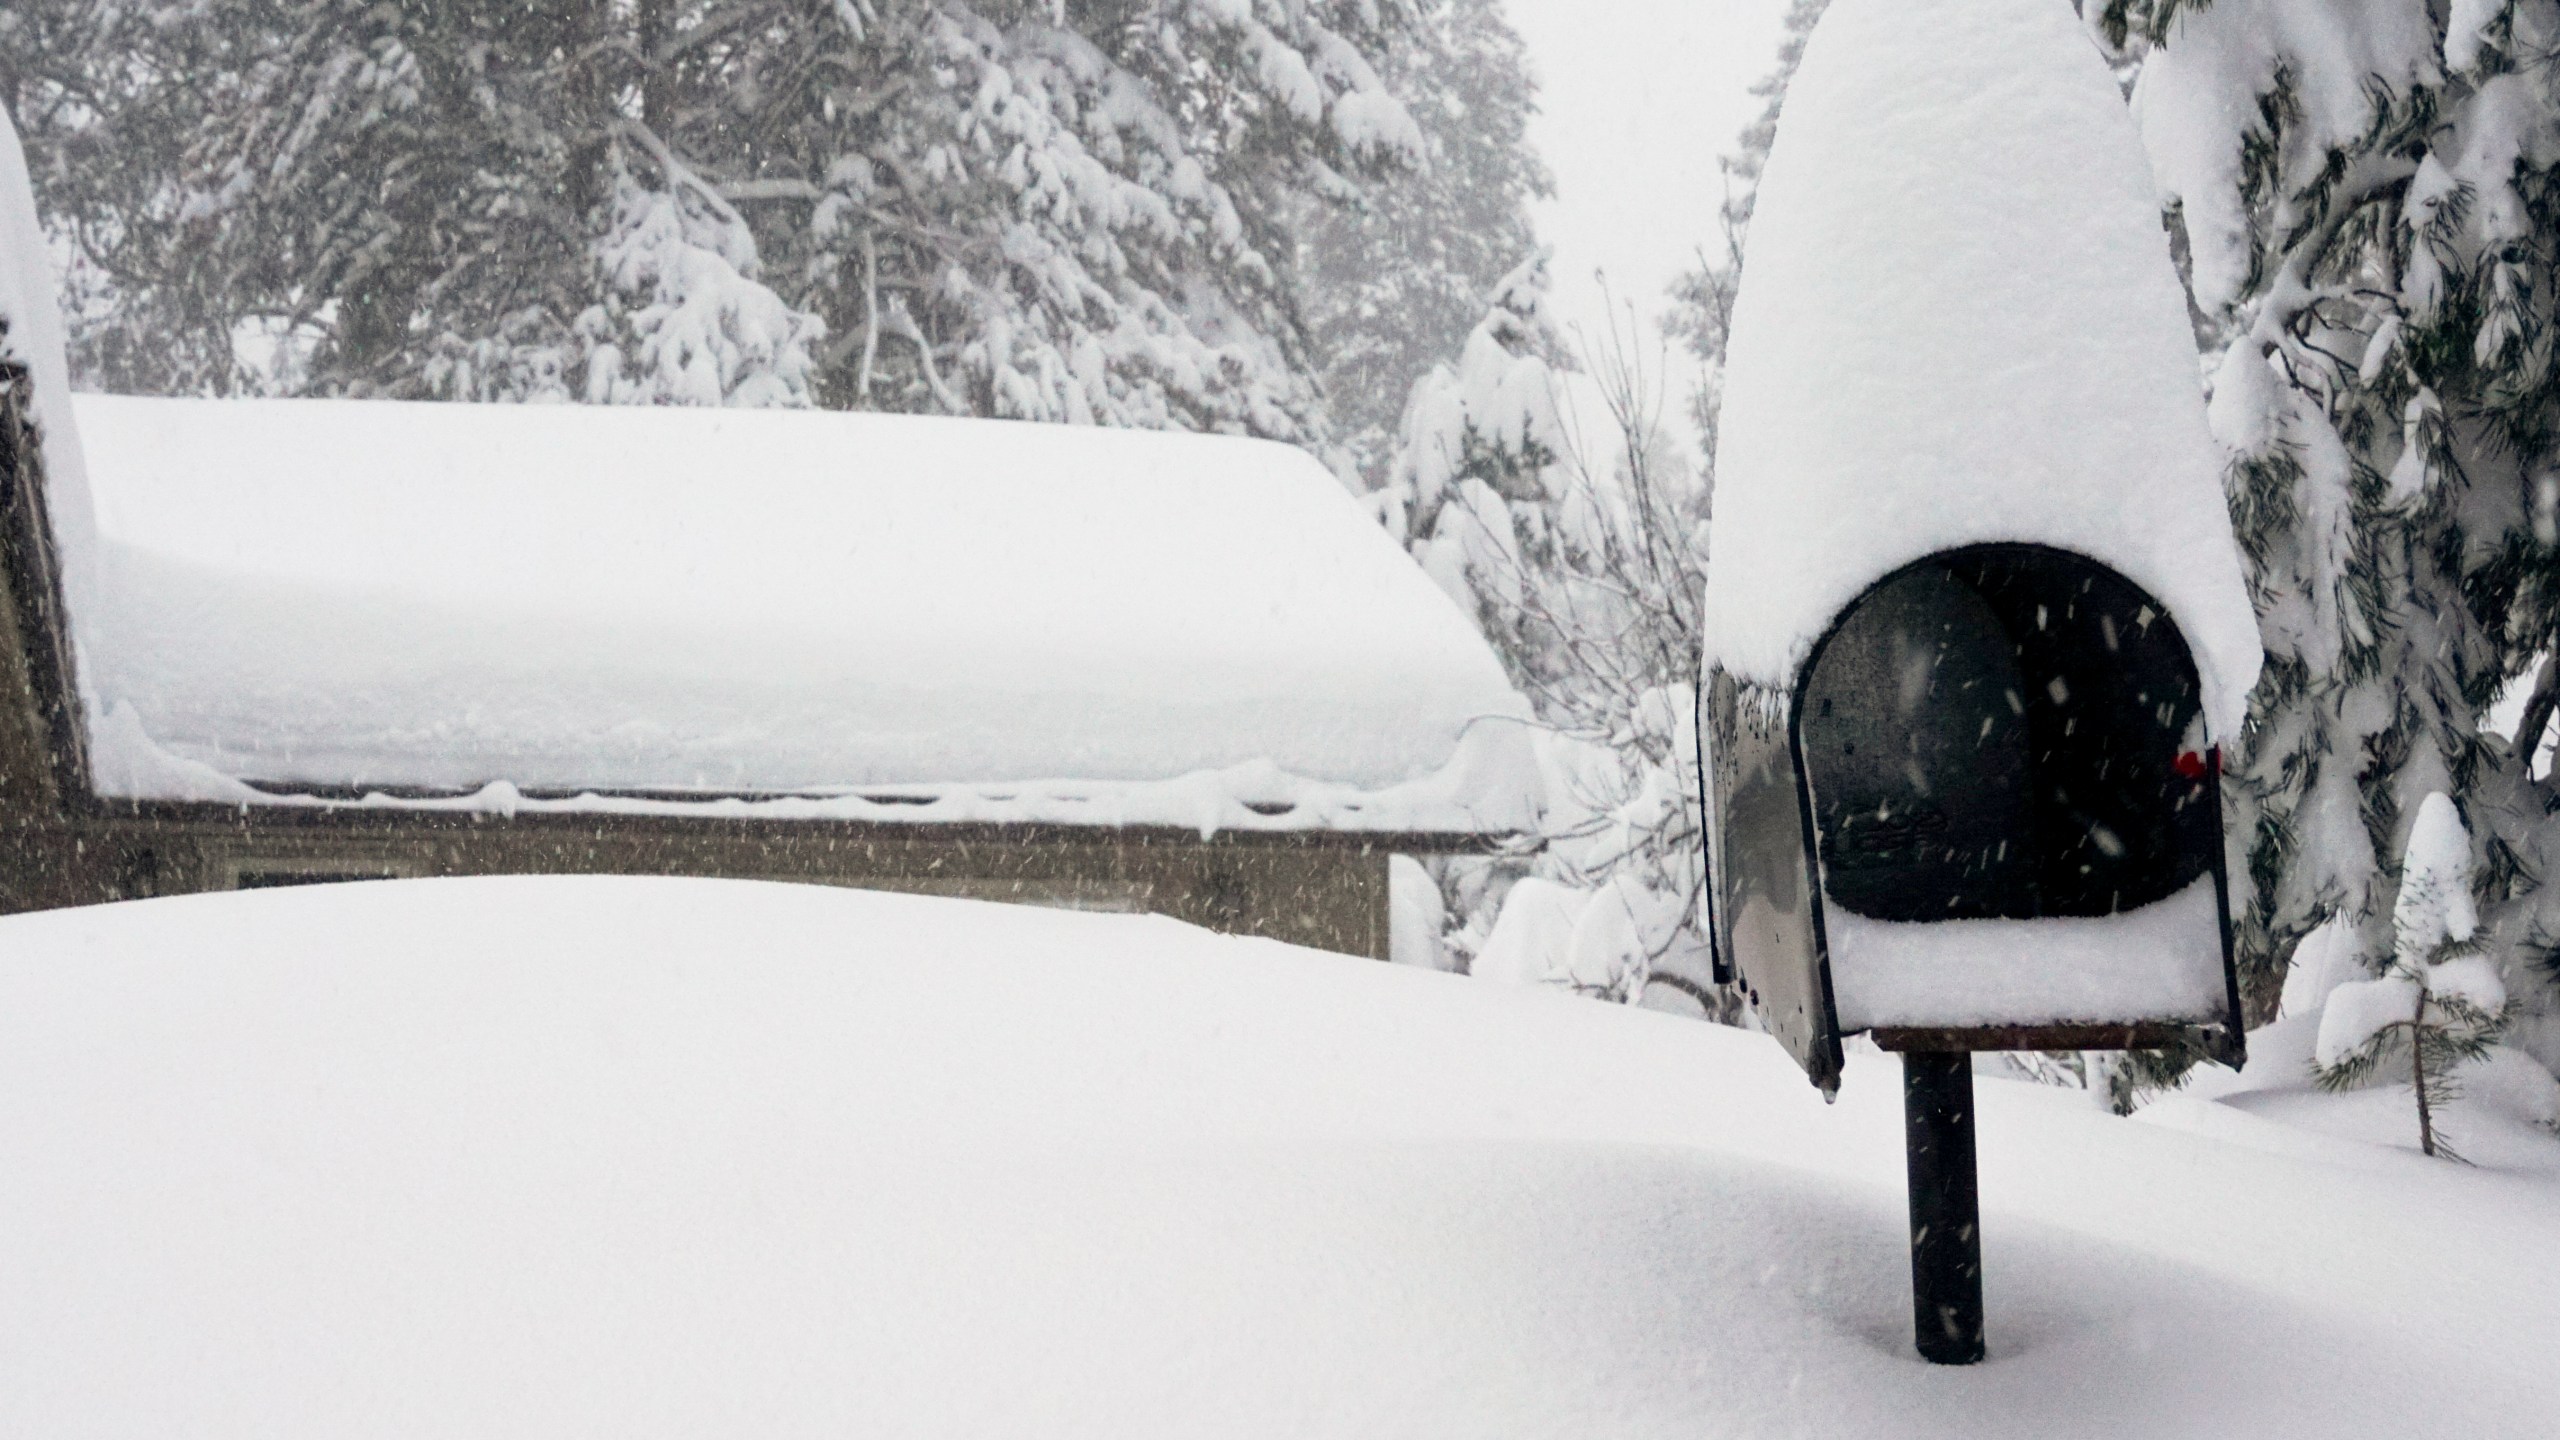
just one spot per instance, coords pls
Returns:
(200, 817)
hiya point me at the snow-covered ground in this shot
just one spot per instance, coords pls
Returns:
(644, 1157)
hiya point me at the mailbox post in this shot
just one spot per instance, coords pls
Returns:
(1982, 818)
(1946, 1205)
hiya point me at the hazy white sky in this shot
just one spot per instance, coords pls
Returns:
(1639, 97)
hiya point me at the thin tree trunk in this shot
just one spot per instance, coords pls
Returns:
(870, 318)
(2418, 1071)
(904, 325)
(656, 94)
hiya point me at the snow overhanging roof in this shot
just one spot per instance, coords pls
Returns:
(33, 342)
(1959, 325)
(784, 615)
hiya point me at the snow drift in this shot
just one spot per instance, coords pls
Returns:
(654, 1157)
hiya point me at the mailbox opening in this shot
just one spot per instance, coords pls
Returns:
(2005, 732)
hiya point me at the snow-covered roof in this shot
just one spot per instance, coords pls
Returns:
(813, 615)
(1959, 324)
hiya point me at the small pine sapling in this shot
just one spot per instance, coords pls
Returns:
(2440, 1004)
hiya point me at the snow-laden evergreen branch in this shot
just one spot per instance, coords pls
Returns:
(1079, 217)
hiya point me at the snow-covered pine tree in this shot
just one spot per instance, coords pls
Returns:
(1579, 554)
(1397, 280)
(1478, 471)
(682, 319)
(420, 200)
(2364, 193)
(1061, 212)
(2439, 1004)
(93, 89)
(1008, 207)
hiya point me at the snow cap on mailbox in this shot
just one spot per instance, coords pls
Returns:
(1969, 526)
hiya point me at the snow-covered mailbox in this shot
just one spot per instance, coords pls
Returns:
(260, 642)
(1975, 619)
(1981, 815)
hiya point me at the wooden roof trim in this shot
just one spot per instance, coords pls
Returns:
(35, 585)
(201, 817)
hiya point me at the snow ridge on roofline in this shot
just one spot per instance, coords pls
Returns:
(1959, 324)
(34, 340)
(807, 615)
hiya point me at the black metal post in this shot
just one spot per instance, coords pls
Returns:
(1946, 1206)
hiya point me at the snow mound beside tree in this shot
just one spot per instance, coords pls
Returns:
(650, 1157)
(1958, 324)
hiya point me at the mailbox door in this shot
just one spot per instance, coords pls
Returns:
(2006, 732)
(1765, 914)
(2012, 732)
(1915, 747)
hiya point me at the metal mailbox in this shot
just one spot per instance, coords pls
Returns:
(1996, 733)
(1994, 753)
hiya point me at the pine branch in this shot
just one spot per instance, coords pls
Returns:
(2538, 712)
